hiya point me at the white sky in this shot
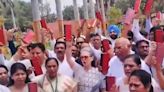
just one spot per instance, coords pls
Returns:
(64, 3)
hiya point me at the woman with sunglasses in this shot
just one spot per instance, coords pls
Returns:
(88, 77)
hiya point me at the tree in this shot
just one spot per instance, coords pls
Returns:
(113, 15)
(68, 13)
(23, 13)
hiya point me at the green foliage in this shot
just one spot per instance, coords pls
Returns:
(22, 12)
(68, 13)
(113, 15)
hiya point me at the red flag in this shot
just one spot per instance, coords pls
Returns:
(68, 32)
(43, 23)
(137, 5)
(2, 37)
(148, 6)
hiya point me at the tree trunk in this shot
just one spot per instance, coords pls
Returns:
(59, 17)
(85, 9)
(92, 8)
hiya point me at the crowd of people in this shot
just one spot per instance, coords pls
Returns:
(75, 66)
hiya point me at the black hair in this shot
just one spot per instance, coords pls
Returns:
(135, 57)
(144, 33)
(144, 77)
(39, 45)
(140, 41)
(75, 45)
(59, 42)
(130, 33)
(94, 35)
(49, 59)
(3, 66)
(153, 29)
(14, 68)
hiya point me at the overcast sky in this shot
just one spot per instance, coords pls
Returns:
(64, 3)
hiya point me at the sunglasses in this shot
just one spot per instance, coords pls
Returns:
(84, 57)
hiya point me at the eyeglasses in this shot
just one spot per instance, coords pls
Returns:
(84, 57)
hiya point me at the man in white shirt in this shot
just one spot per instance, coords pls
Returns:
(59, 54)
(4, 89)
(122, 49)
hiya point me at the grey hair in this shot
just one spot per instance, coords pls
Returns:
(88, 49)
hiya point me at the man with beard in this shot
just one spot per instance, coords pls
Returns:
(113, 33)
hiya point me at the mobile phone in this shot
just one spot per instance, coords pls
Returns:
(67, 31)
